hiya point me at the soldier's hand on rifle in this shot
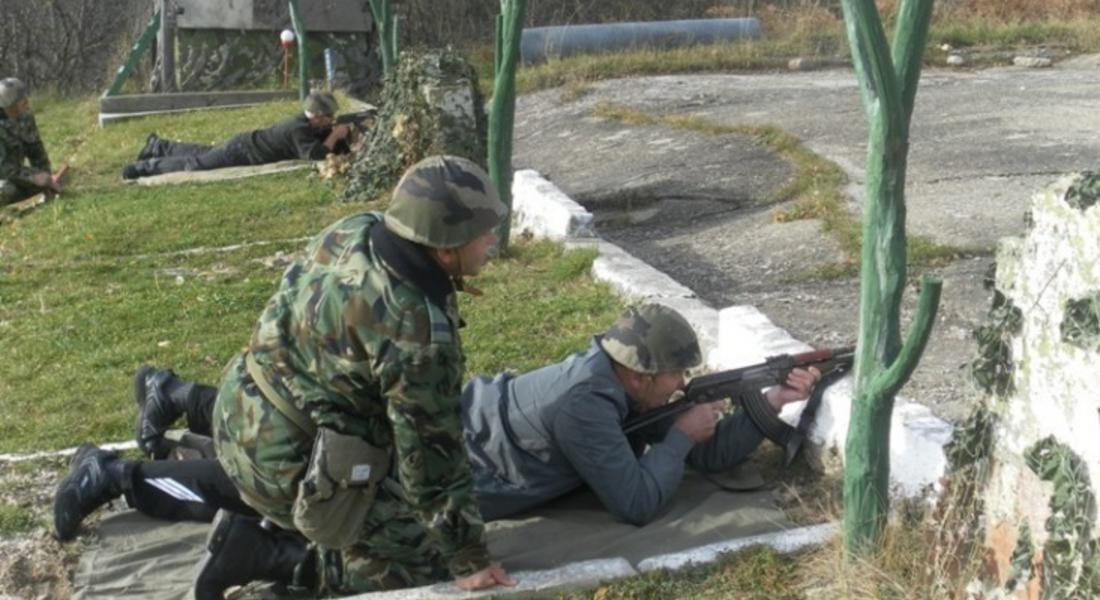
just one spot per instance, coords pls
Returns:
(699, 421)
(490, 576)
(799, 384)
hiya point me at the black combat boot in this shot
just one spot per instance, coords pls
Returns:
(151, 149)
(162, 398)
(240, 550)
(94, 479)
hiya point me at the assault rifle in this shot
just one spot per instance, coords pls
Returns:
(359, 122)
(742, 386)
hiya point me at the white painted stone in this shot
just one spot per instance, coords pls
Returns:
(748, 337)
(542, 210)
(782, 541)
(956, 60)
(1032, 62)
(549, 583)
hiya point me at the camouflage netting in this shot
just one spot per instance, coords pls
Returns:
(1085, 192)
(1081, 325)
(1071, 556)
(993, 368)
(431, 105)
(212, 59)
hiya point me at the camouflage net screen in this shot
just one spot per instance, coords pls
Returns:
(431, 105)
(229, 60)
(1084, 194)
(1071, 556)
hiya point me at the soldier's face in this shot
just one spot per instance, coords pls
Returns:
(16, 110)
(321, 121)
(472, 256)
(655, 390)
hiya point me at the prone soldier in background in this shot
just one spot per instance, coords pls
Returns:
(311, 135)
(24, 164)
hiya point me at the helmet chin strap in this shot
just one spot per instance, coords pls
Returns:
(460, 281)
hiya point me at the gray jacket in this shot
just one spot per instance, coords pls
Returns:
(537, 436)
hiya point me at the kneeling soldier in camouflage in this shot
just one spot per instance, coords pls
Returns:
(20, 144)
(341, 420)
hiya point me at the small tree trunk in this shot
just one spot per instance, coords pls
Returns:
(502, 114)
(888, 84)
(387, 33)
(303, 49)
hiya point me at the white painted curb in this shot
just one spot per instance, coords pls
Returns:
(549, 583)
(786, 541)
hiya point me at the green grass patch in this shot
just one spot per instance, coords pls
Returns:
(815, 190)
(15, 519)
(753, 573)
(110, 276)
(1075, 35)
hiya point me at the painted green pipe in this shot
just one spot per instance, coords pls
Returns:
(136, 51)
(303, 49)
(888, 83)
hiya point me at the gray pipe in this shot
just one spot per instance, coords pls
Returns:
(542, 43)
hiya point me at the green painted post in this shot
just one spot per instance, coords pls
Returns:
(387, 32)
(498, 33)
(503, 108)
(303, 49)
(888, 85)
(140, 46)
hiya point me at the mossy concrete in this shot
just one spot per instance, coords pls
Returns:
(1046, 452)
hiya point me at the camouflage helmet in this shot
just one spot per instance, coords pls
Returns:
(320, 103)
(652, 338)
(444, 202)
(11, 91)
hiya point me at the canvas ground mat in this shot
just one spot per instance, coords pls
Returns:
(224, 174)
(138, 557)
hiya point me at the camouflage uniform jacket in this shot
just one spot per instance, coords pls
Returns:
(539, 435)
(362, 336)
(19, 144)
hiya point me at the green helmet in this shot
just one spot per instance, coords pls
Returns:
(11, 91)
(652, 338)
(320, 103)
(444, 202)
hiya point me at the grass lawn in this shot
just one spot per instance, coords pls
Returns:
(111, 276)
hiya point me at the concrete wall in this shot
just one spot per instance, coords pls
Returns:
(319, 15)
(1040, 500)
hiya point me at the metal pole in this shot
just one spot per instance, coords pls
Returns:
(303, 49)
(166, 44)
(139, 48)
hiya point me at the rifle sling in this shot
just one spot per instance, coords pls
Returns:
(288, 410)
(809, 413)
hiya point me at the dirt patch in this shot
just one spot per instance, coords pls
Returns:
(32, 563)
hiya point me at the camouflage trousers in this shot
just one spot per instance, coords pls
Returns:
(395, 550)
